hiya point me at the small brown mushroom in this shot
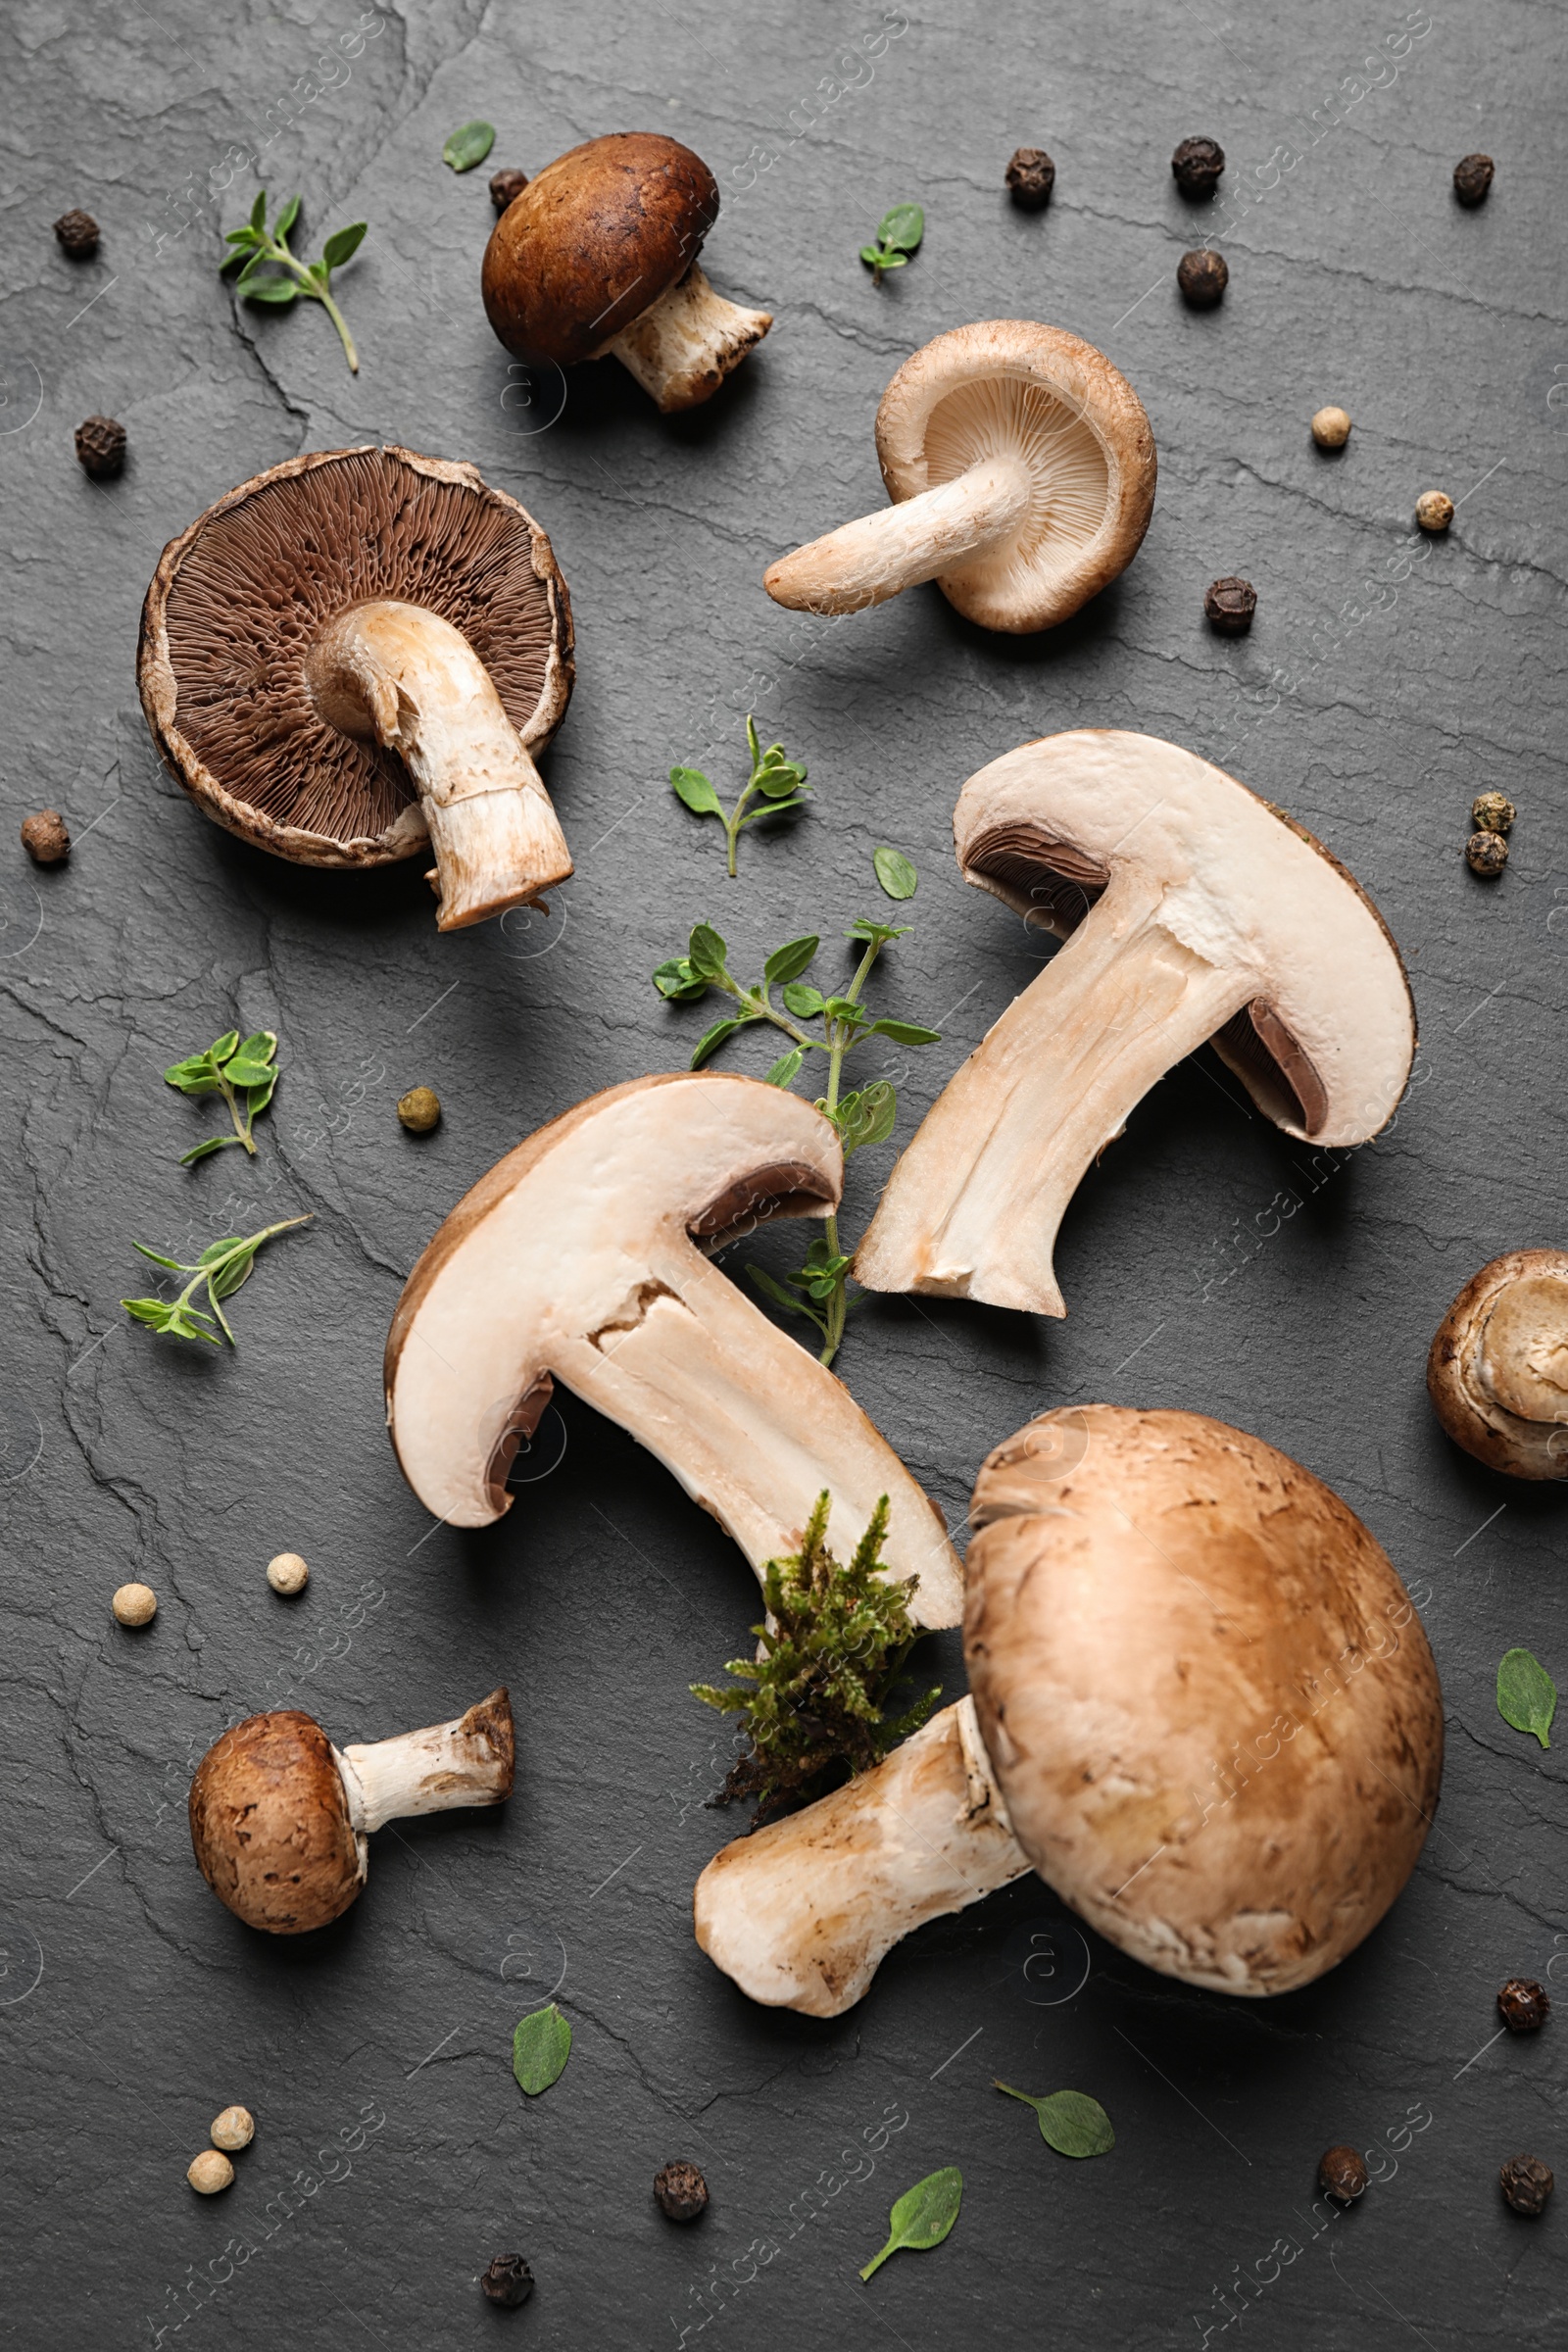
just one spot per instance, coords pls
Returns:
(599, 254)
(354, 657)
(1498, 1371)
(279, 1817)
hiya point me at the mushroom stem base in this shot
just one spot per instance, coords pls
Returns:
(684, 345)
(865, 563)
(468, 1762)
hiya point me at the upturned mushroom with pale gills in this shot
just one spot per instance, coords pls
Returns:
(583, 1256)
(599, 254)
(279, 1818)
(1021, 467)
(1497, 1370)
(1191, 910)
(1201, 1707)
(354, 657)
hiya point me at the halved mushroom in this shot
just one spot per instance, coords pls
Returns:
(599, 254)
(279, 1817)
(1203, 1708)
(580, 1258)
(1022, 469)
(1497, 1372)
(1192, 911)
(352, 658)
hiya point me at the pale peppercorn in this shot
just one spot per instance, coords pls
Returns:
(1331, 428)
(46, 837)
(420, 1109)
(1493, 812)
(1486, 854)
(209, 2171)
(135, 1604)
(1433, 510)
(234, 2128)
(287, 1573)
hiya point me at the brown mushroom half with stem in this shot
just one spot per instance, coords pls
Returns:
(1191, 910)
(1203, 1708)
(279, 1817)
(1021, 467)
(583, 1256)
(599, 254)
(354, 657)
(1497, 1370)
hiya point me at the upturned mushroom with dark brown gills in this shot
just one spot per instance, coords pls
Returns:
(599, 254)
(279, 1818)
(1201, 1707)
(1191, 910)
(355, 657)
(1497, 1370)
(583, 1256)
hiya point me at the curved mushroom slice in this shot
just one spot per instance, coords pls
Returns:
(354, 657)
(1497, 1370)
(579, 1258)
(1021, 466)
(1192, 911)
(1202, 1709)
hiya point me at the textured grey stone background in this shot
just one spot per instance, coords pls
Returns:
(1387, 680)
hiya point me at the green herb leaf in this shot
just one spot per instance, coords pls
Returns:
(868, 1117)
(540, 2048)
(1074, 2124)
(707, 952)
(468, 146)
(780, 779)
(906, 1033)
(259, 1047)
(895, 875)
(287, 219)
(922, 2216)
(259, 1097)
(864, 928)
(845, 1009)
(796, 1306)
(678, 981)
(1527, 1695)
(873, 257)
(803, 999)
(223, 1267)
(197, 1076)
(786, 1067)
(901, 228)
(791, 959)
(205, 1150)
(269, 289)
(342, 245)
(259, 213)
(710, 1042)
(239, 236)
(693, 787)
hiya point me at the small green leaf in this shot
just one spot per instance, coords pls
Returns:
(205, 1150)
(258, 211)
(239, 236)
(148, 1310)
(710, 1042)
(906, 1033)
(773, 808)
(342, 245)
(175, 1266)
(287, 219)
(269, 289)
(886, 259)
(922, 2216)
(786, 1067)
(796, 1306)
(226, 1280)
(707, 952)
(845, 1009)
(540, 2048)
(678, 981)
(239, 1071)
(197, 1076)
(1527, 1695)
(790, 960)
(868, 1117)
(866, 929)
(901, 228)
(895, 875)
(1071, 2120)
(752, 744)
(259, 1047)
(803, 1001)
(780, 781)
(259, 1097)
(468, 146)
(693, 787)
(873, 256)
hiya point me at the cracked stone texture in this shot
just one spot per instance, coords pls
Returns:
(1387, 678)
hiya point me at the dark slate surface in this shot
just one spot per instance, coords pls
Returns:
(1387, 678)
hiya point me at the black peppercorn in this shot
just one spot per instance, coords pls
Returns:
(1202, 277)
(100, 447)
(45, 837)
(1523, 2005)
(1472, 178)
(1031, 175)
(506, 186)
(1526, 2182)
(681, 2191)
(1342, 2175)
(79, 234)
(508, 2282)
(1196, 165)
(1230, 605)
(1486, 854)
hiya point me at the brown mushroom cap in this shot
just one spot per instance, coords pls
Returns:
(270, 1823)
(594, 241)
(1497, 1370)
(1204, 1691)
(241, 598)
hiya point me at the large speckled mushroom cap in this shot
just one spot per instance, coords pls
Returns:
(1204, 1692)
(270, 1823)
(241, 598)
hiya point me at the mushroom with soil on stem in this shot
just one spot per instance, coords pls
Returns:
(1191, 910)
(583, 1256)
(355, 657)
(599, 254)
(1021, 467)
(1202, 1708)
(279, 1817)
(1497, 1370)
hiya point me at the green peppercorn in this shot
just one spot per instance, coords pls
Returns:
(1493, 812)
(1486, 854)
(420, 1109)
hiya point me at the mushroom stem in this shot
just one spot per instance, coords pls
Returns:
(684, 344)
(401, 675)
(866, 562)
(801, 1914)
(468, 1762)
(973, 1206)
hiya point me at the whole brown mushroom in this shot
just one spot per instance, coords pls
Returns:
(1497, 1370)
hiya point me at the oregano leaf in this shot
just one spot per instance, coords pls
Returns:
(287, 219)
(707, 952)
(540, 2048)
(468, 146)
(710, 1042)
(786, 1067)
(693, 787)
(923, 2215)
(895, 873)
(1527, 1695)
(901, 228)
(1071, 2120)
(790, 960)
(343, 243)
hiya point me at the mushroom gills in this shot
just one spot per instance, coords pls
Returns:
(684, 345)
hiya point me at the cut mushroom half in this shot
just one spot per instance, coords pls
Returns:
(354, 657)
(1498, 1371)
(599, 254)
(1021, 467)
(1203, 1708)
(279, 1818)
(1192, 911)
(581, 1257)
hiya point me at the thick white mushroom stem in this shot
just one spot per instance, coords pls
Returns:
(399, 675)
(802, 1913)
(866, 562)
(973, 1206)
(684, 345)
(468, 1762)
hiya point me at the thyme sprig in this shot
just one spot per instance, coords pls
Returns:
(223, 1267)
(775, 783)
(257, 246)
